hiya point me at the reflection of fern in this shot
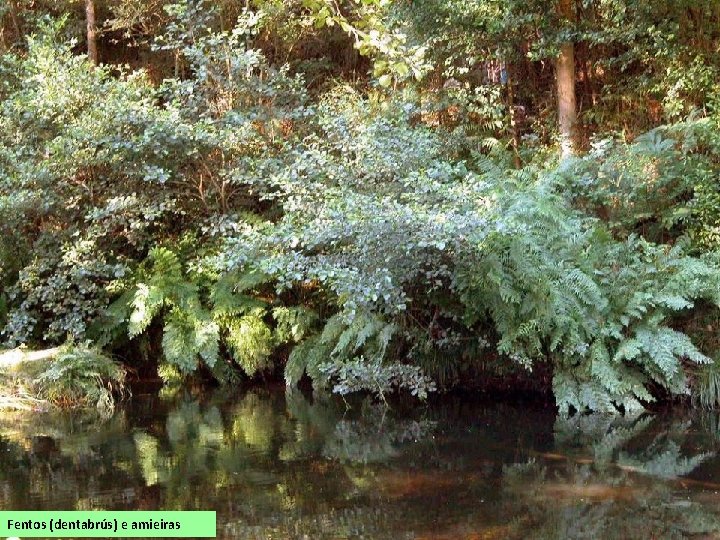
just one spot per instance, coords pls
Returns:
(604, 434)
(592, 501)
(667, 463)
(608, 436)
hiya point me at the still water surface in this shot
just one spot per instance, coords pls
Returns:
(277, 466)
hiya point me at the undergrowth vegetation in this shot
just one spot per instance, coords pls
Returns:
(70, 376)
(251, 226)
(82, 377)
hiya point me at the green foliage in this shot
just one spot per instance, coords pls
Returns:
(331, 357)
(187, 336)
(368, 235)
(706, 390)
(603, 323)
(641, 62)
(360, 375)
(662, 185)
(82, 376)
(552, 283)
(293, 323)
(250, 340)
(307, 358)
(65, 289)
(203, 316)
(73, 170)
(191, 331)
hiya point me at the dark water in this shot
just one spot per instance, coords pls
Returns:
(276, 466)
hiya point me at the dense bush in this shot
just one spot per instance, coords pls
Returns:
(345, 234)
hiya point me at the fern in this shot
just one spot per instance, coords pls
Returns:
(185, 338)
(707, 386)
(251, 342)
(331, 355)
(146, 304)
(164, 286)
(307, 358)
(81, 375)
(227, 298)
(293, 324)
(178, 343)
(333, 328)
(566, 393)
(192, 331)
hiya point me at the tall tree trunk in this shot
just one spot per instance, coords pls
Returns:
(513, 116)
(91, 31)
(565, 73)
(15, 20)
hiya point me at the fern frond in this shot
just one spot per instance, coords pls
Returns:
(146, 304)
(251, 342)
(185, 338)
(293, 323)
(308, 357)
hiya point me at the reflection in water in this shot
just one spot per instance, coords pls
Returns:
(277, 466)
(617, 478)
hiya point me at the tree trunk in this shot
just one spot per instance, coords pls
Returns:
(513, 117)
(91, 31)
(565, 73)
(15, 21)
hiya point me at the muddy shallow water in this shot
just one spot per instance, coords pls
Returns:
(290, 466)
